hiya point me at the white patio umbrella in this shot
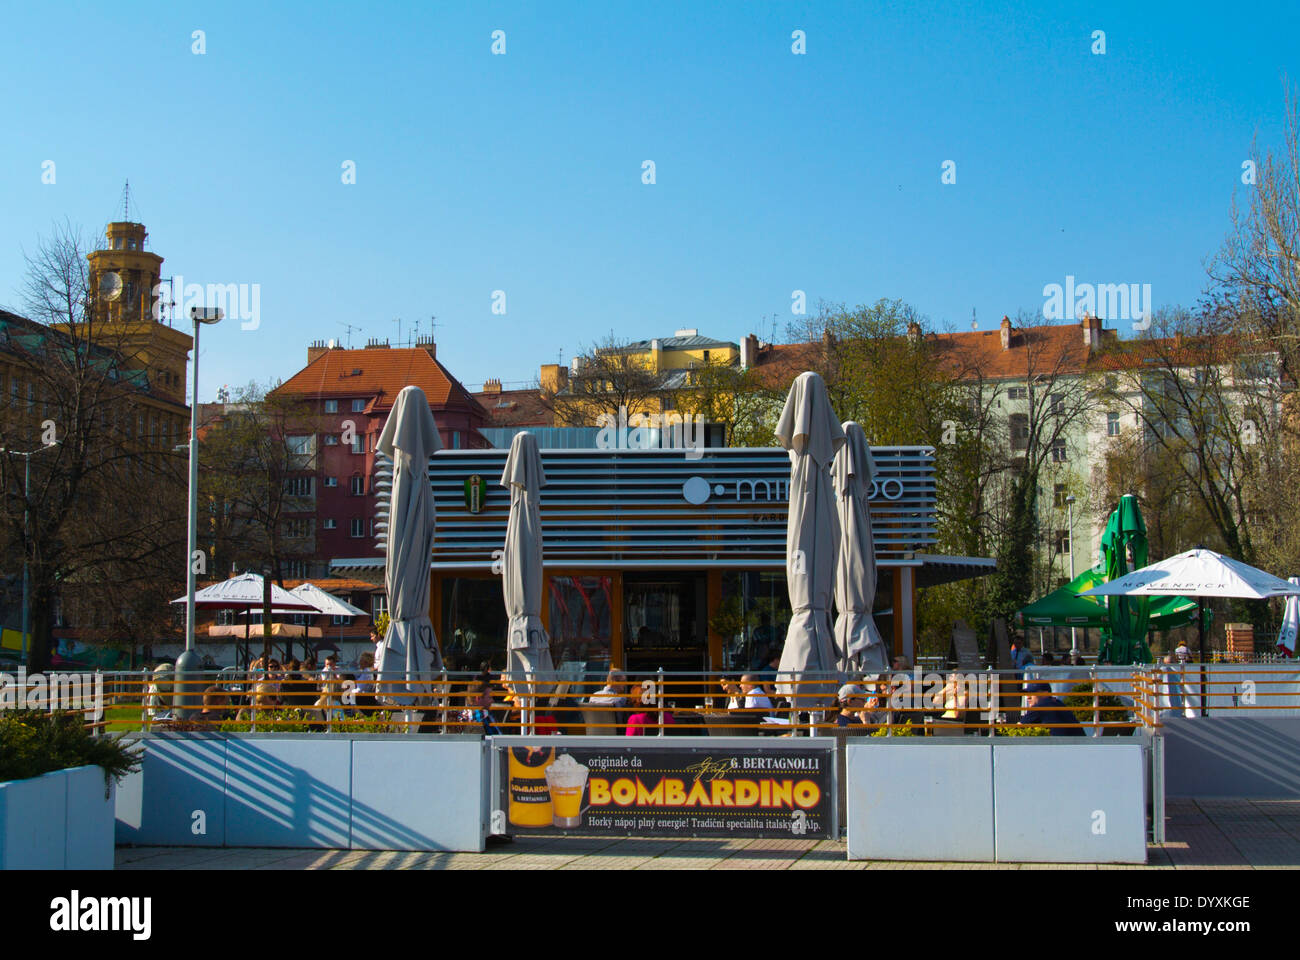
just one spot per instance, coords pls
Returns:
(858, 645)
(809, 429)
(408, 653)
(1198, 573)
(326, 603)
(1286, 636)
(528, 646)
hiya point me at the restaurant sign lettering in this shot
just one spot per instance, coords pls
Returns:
(557, 788)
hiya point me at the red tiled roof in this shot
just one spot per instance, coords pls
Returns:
(1047, 349)
(516, 408)
(380, 373)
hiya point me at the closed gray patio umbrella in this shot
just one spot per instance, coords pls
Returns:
(528, 646)
(858, 647)
(809, 430)
(408, 653)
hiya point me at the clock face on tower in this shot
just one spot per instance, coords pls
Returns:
(110, 285)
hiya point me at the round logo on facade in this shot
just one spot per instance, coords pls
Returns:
(696, 491)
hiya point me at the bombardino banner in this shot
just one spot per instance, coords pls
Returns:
(550, 788)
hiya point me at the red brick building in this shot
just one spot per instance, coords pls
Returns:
(351, 393)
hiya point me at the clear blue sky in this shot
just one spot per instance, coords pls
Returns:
(522, 172)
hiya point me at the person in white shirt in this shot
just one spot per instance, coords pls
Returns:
(755, 697)
(613, 693)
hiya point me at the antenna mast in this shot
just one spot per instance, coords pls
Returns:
(350, 328)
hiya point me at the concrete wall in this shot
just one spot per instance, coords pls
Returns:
(312, 790)
(62, 820)
(1232, 757)
(1053, 799)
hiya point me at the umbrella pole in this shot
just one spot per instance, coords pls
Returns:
(1200, 626)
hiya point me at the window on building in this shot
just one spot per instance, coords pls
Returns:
(358, 443)
(300, 446)
(330, 524)
(331, 481)
(359, 405)
(1017, 393)
(1058, 450)
(340, 621)
(706, 356)
(1059, 493)
(357, 527)
(378, 604)
(1062, 542)
(357, 485)
(1019, 424)
(455, 439)
(331, 440)
(1058, 404)
(331, 406)
(1112, 424)
(299, 486)
(297, 528)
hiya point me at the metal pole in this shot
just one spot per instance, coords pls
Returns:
(1069, 503)
(1200, 627)
(27, 476)
(188, 662)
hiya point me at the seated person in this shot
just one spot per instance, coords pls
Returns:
(639, 724)
(1038, 711)
(852, 702)
(480, 710)
(613, 693)
(735, 697)
(756, 697)
(216, 707)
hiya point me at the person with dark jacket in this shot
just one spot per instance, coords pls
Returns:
(1043, 709)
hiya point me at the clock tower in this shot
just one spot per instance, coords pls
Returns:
(123, 310)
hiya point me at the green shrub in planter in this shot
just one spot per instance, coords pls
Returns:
(1113, 709)
(33, 743)
(1024, 730)
(904, 730)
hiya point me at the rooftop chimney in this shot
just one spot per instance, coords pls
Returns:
(553, 377)
(376, 344)
(913, 332)
(748, 351)
(1091, 332)
(492, 386)
(688, 332)
(1006, 333)
(316, 349)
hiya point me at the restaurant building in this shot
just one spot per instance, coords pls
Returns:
(660, 558)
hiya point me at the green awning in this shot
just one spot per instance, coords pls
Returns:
(1063, 608)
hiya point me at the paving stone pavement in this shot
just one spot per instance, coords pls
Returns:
(1207, 833)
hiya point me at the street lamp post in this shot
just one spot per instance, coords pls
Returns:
(1069, 505)
(188, 662)
(27, 486)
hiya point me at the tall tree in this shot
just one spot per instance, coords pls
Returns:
(99, 520)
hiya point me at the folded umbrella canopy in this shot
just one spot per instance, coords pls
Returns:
(408, 653)
(1286, 636)
(858, 646)
(809, 429)
(528, 645)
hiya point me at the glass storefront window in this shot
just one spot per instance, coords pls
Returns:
(581, 620)
(752, 618)
(473, 628)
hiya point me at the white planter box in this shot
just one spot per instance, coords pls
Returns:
(61, 820)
